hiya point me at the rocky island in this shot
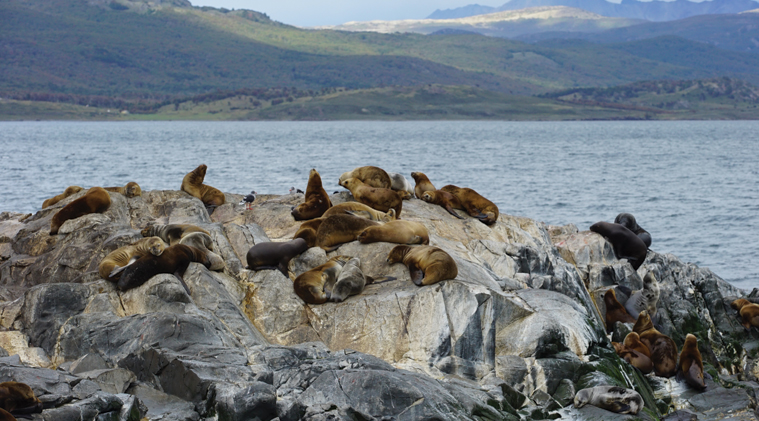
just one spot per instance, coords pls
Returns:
(518, 332)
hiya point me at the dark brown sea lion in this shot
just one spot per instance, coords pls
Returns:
(371, 176)
(115, 262)
(663, 349)
(18, 398)
(192, 183)
(628, 221)
(307, 231)
(361, 210)
(317, 200)
(474, 204)
(6, 416)
(634, 358)
(131, 189)
(70, 190)
(398, 232)
(442, 198)
(171, 233)
(313, 286)
(615, 312)
(748, 311)
(96, 200)
(426, 264)
(377, 198)
(174, 259)
(611, 398)
(423, 184)
(691, 366)
(339, 229)
(275, 255)
(626, 244)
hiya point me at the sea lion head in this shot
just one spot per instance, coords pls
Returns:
(739, 303)
(643, 323)
(618, 347)
(582, 398)
(627, 220)
(428, 196)
(146, 232)
(397, 254)
(389, 216)
(350, 183)
(418, 176)
(156, 246)
(132, 189)
(72, 190)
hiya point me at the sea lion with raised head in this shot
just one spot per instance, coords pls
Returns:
(96, 200)
(115, 262)
(611, 398)
(339, 229)
(644, 299)
(626, 244)
(691, 366)
(426, 264)
(474, 204)
(171, 233)
(748, 311)
(377, 198)
(275, 255)
(398, 232)
(307, 231)
(314, 286)
(192, 183)
(19, 399)
(663, 349)
(361, 210)
(444, 199)
(131, 189)
(628, 221)
(371, 176)
(175, 260)
(615, 312)
(423, 184)
(317, 200)
(70, 190)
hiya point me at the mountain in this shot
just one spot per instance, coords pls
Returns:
(462, 12)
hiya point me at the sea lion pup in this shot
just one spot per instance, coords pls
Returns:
(474, 204)
(611, 398)
(635, 358)
(371, 176)
(628, 221)
(423, 184)
(691, 366)
(18, 398)
(96, 200)
(307, 231)
(172, 233)
(361, 210)
(115, 262)
(313, 286)
(377, 198)
(317, 200)
(192, 183)
(131, 189)
(444, 199)
(175, 259)
(401, 185)
(644, 299)
(339, 229)
(626, 244)
(632, 341)
(748, 311)
(66, 193)
(274, 255)
(399, 232)
(663, 349)
(426, 264)
(615, 312)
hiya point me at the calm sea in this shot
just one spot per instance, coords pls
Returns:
(692, 185)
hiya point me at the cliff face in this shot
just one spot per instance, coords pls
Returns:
(513, 336)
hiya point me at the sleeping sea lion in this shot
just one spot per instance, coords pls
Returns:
(444, 199)
(423, 184)
(626, 244)
(611, 398)
(634, 358)
(192, 183)
(131, 189)
(18, 398)
(377, 198)
(691, 366)
(401, 185)
(96, 200)
(628, 221)
(339, 229)
(663, 349)
(307, 231)
(644, 299)
(474, 204)
(748, 311)
(70, 190)
(371, 176)
(115, 262)
(203, 241)
(275, 255)
(426, 264)
(632, 341)
(175, 259)
(399, 232)
(350, 281)
(317, 200)
(615, 312)
(314, 286)
(361, 210)
(171, 233)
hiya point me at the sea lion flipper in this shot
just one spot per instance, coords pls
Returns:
(453, 212)
(360, 214)
(416, 274)
(416, 240)
(116, 270)
(181, 281)
(382, 279)
(283, 268)
(621, 408)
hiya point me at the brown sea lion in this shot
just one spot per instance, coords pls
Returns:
(634, 358)
(307, 231)
(377, 198)
(611, 398)
(442, 198)
(6, 416)
(274, 255)
(748, 311)
(70, 190)
(632, 341)
(423, 184)
(175, 259)
(663, 349)
(96, 200)
(192, 183)
(426, 264)
(339, 229)
(314, 286)
(371, 176)
(644, 299)
(361, 210)
(399, 232)
(18, 398)
(691, 367)
(317, 200)
(626, 244)
(628, 221)
(474, 204)
(115, 262)
(131, 189)
(171, 233)
(615, 312)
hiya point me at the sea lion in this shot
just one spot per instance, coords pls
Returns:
(627, 220)
(691, 366)
(377, 198)
(426, 264)
(6, 416)
(611, 398)
(423, 184)
(399, 232)
(632, 341)
(361, 210)
(172, 233)
(307, 231)
(350, 281)
(70, 190)
(371, 176)
(442, 198)
(615, 312)
(748, 311)
(96, 200)
(18, 398)
(131, 189)
(175, 259)
(634, 358)
(474, 204)
(192, 183)
(626, 244)
(338, 229)
(644, 299)
(275, 255)
(401, 185)
(115, 262)
(313, 286)
(663, 349)
(203, 241)
(317, 200)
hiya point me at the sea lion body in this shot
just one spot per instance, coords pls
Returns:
(175, 259)
(427, 265)
(192, 183)
(626, 244)
(611, 398)
(474, 204)
(378, 198)
(339, 229)
(635, 358)
(70, 190)
(663, 349)
(123, 256)
(691, 366)
(314, 286)
(615, 312)
(96, 200)
(361, 210)
(203, 241)
(317, 200)
(423, 184)
(628, 221)
(444, 199)
(275, 255)
(350, 281)
(6, 416)
(131, 189)
(371, 176)
(172, 233)
(632, 341)
(18, 398)
(644, 299)
(401, 185)
(748, 311)
(307, 231)
(398, 232)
